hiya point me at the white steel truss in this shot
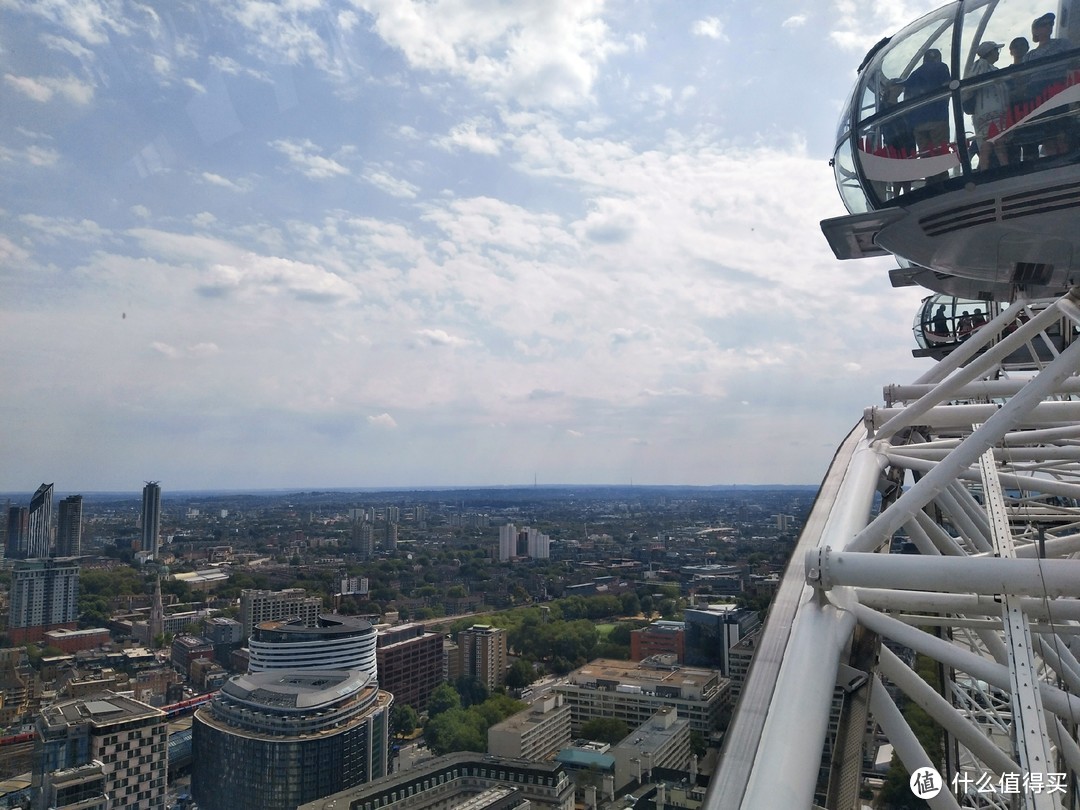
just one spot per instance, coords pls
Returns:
(976, 468)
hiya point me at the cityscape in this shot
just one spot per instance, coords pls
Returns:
(282, 650)
(418, 404)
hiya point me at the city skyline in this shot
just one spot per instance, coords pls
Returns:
(397, 244)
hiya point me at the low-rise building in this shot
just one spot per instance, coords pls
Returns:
(635, 691)
(663, 741)
(659, 638)
(187, 649)
(454, 781)
(537, 733)
(71, 641)
(78, 788)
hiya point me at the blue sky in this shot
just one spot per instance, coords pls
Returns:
(398, 243)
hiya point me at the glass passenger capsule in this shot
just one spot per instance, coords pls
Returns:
(944, 322)
(959, 151)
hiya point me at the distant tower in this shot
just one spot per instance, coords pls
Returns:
(364, 540)
(151, 518)
(391, 536)
(69, 527)
(507, 542)
(39, 539)
(18, 527)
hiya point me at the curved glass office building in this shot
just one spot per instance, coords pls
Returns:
(278, 739)
(336, 642)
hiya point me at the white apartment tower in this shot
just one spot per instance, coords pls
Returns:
(271, 606)
(507, 542)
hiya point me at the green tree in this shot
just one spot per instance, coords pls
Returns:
(471, 690)
(520, 674)
(631, 605)
(496, 709)
(456, 730)
(404, 720)
(443, 698)
(697, 744)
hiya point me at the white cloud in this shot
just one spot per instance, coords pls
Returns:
(44, 88)
(393, 186)
(10, 253)
(795, 21)
(537, 53)
(88, 20)
(305, 157)
(197, 350)
(232, 67)
(439, 337)
(40, 156)
(710, 27)
(382, 420)
(288, 33)
(254, 274)
(63, 229)
(164, 348)
(473, 136)
(224, 182)
(859, 26)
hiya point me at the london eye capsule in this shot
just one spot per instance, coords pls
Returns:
(959, 151)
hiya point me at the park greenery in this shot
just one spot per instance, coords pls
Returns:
(454, 724)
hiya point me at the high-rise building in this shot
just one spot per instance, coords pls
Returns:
(391, 536)
(44, 596)
(151, 518)
(18, 529)
(410, 661)
(482, 655)
(69, 527)
(507, 542)
(127, 738)
(538, 544)
(270, 606)
(364, 539)
(273, 740)
(39, 538)
(335, 642)
(524, 542)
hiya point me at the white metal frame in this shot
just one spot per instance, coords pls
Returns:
(988, 446)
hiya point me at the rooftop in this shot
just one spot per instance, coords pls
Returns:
(103, 709)
(295, 690)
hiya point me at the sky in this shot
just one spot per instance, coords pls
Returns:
(249, 244)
